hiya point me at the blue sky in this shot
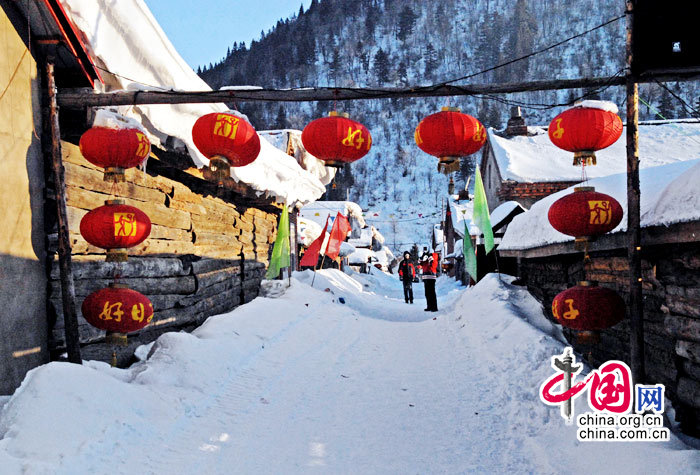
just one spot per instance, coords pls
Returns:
(202, 30)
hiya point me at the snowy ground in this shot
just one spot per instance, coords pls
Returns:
(306, 383)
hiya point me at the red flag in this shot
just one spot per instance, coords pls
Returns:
(310, 257)
(340, 230)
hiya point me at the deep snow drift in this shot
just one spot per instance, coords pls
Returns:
(304, 381)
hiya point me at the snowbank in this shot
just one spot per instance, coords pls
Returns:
(669, 194)
(535, 159)
(125, 39)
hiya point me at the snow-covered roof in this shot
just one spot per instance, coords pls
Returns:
(281, 139)
(307, 231)
(502, 212)
(535, 159)
(360, 256)
(320, 210)
(365, 239)
(461, 213)
(125, 39)
(669, 194)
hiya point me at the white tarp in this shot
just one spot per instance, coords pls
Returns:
(125, 39)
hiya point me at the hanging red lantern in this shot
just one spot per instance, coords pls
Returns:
(449, 135)
(227, 141)
(114, 150)
(588, 308)
(585, 214)
(583, 130)
(115, 227)
(117, 309)
(336, 139)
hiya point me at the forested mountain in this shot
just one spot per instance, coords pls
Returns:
(414, 42)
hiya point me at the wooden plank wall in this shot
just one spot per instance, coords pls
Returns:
(671, 289)
(204, 253)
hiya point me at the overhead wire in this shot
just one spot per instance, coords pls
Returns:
(375, 93)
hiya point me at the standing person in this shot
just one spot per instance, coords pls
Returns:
(429, 266)
(407, 272)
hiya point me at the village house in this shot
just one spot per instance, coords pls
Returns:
(548, 262)
(521, 163)
(209, 244)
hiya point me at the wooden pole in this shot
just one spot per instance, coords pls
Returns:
(636, 303)
(64, 249)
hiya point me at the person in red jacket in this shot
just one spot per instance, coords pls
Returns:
(407, 272)
(430, 267)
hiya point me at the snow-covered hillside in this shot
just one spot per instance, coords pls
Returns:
(413, 42)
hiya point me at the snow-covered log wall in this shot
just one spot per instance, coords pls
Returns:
(671, 272)
(206, 254)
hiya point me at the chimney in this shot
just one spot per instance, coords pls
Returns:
(516, 123)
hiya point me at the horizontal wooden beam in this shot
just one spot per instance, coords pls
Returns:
(80, 99)
(679, 233)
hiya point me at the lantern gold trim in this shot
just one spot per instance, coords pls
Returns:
(447, 165)
(115, 174)
(588, 337)
(115, 338)
(584, 156)
(220, 168)
(334, 163)
(450, 109)
(338, 114)
(118, 254)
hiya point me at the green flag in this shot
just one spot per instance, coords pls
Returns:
(480, 216)
(469, 255)
(280, 253)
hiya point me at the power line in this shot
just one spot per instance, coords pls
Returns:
(685, 105)
(535, 53)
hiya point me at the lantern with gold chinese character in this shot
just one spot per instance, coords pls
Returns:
(585, 128)
(585, 214)
(115, 227)
(114, 149)
(336, 139)
(117, 309)
(588, 308)
(449, 135)
(227, 141)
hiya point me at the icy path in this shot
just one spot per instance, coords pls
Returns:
(371, 386)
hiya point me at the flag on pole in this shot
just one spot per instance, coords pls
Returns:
(340, 230)
(469, 255)
(480, 215)
(310, 257)
(280, 252)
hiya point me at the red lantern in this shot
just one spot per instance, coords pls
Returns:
(227, 141)
(583, 130)
(448, 135)
(114, 150)
(117, 309)
(115, 226)
(588, 308)
(585, 214)
(336, 139)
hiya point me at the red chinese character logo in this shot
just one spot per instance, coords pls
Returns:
(611, 388)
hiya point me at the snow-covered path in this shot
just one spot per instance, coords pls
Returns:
(304, 383)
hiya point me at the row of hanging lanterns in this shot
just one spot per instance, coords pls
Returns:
(586, 214)
(116, 226)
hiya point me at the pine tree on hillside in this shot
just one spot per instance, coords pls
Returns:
(431, 61)
(381, 66)
(281, 119)
(407, 20)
